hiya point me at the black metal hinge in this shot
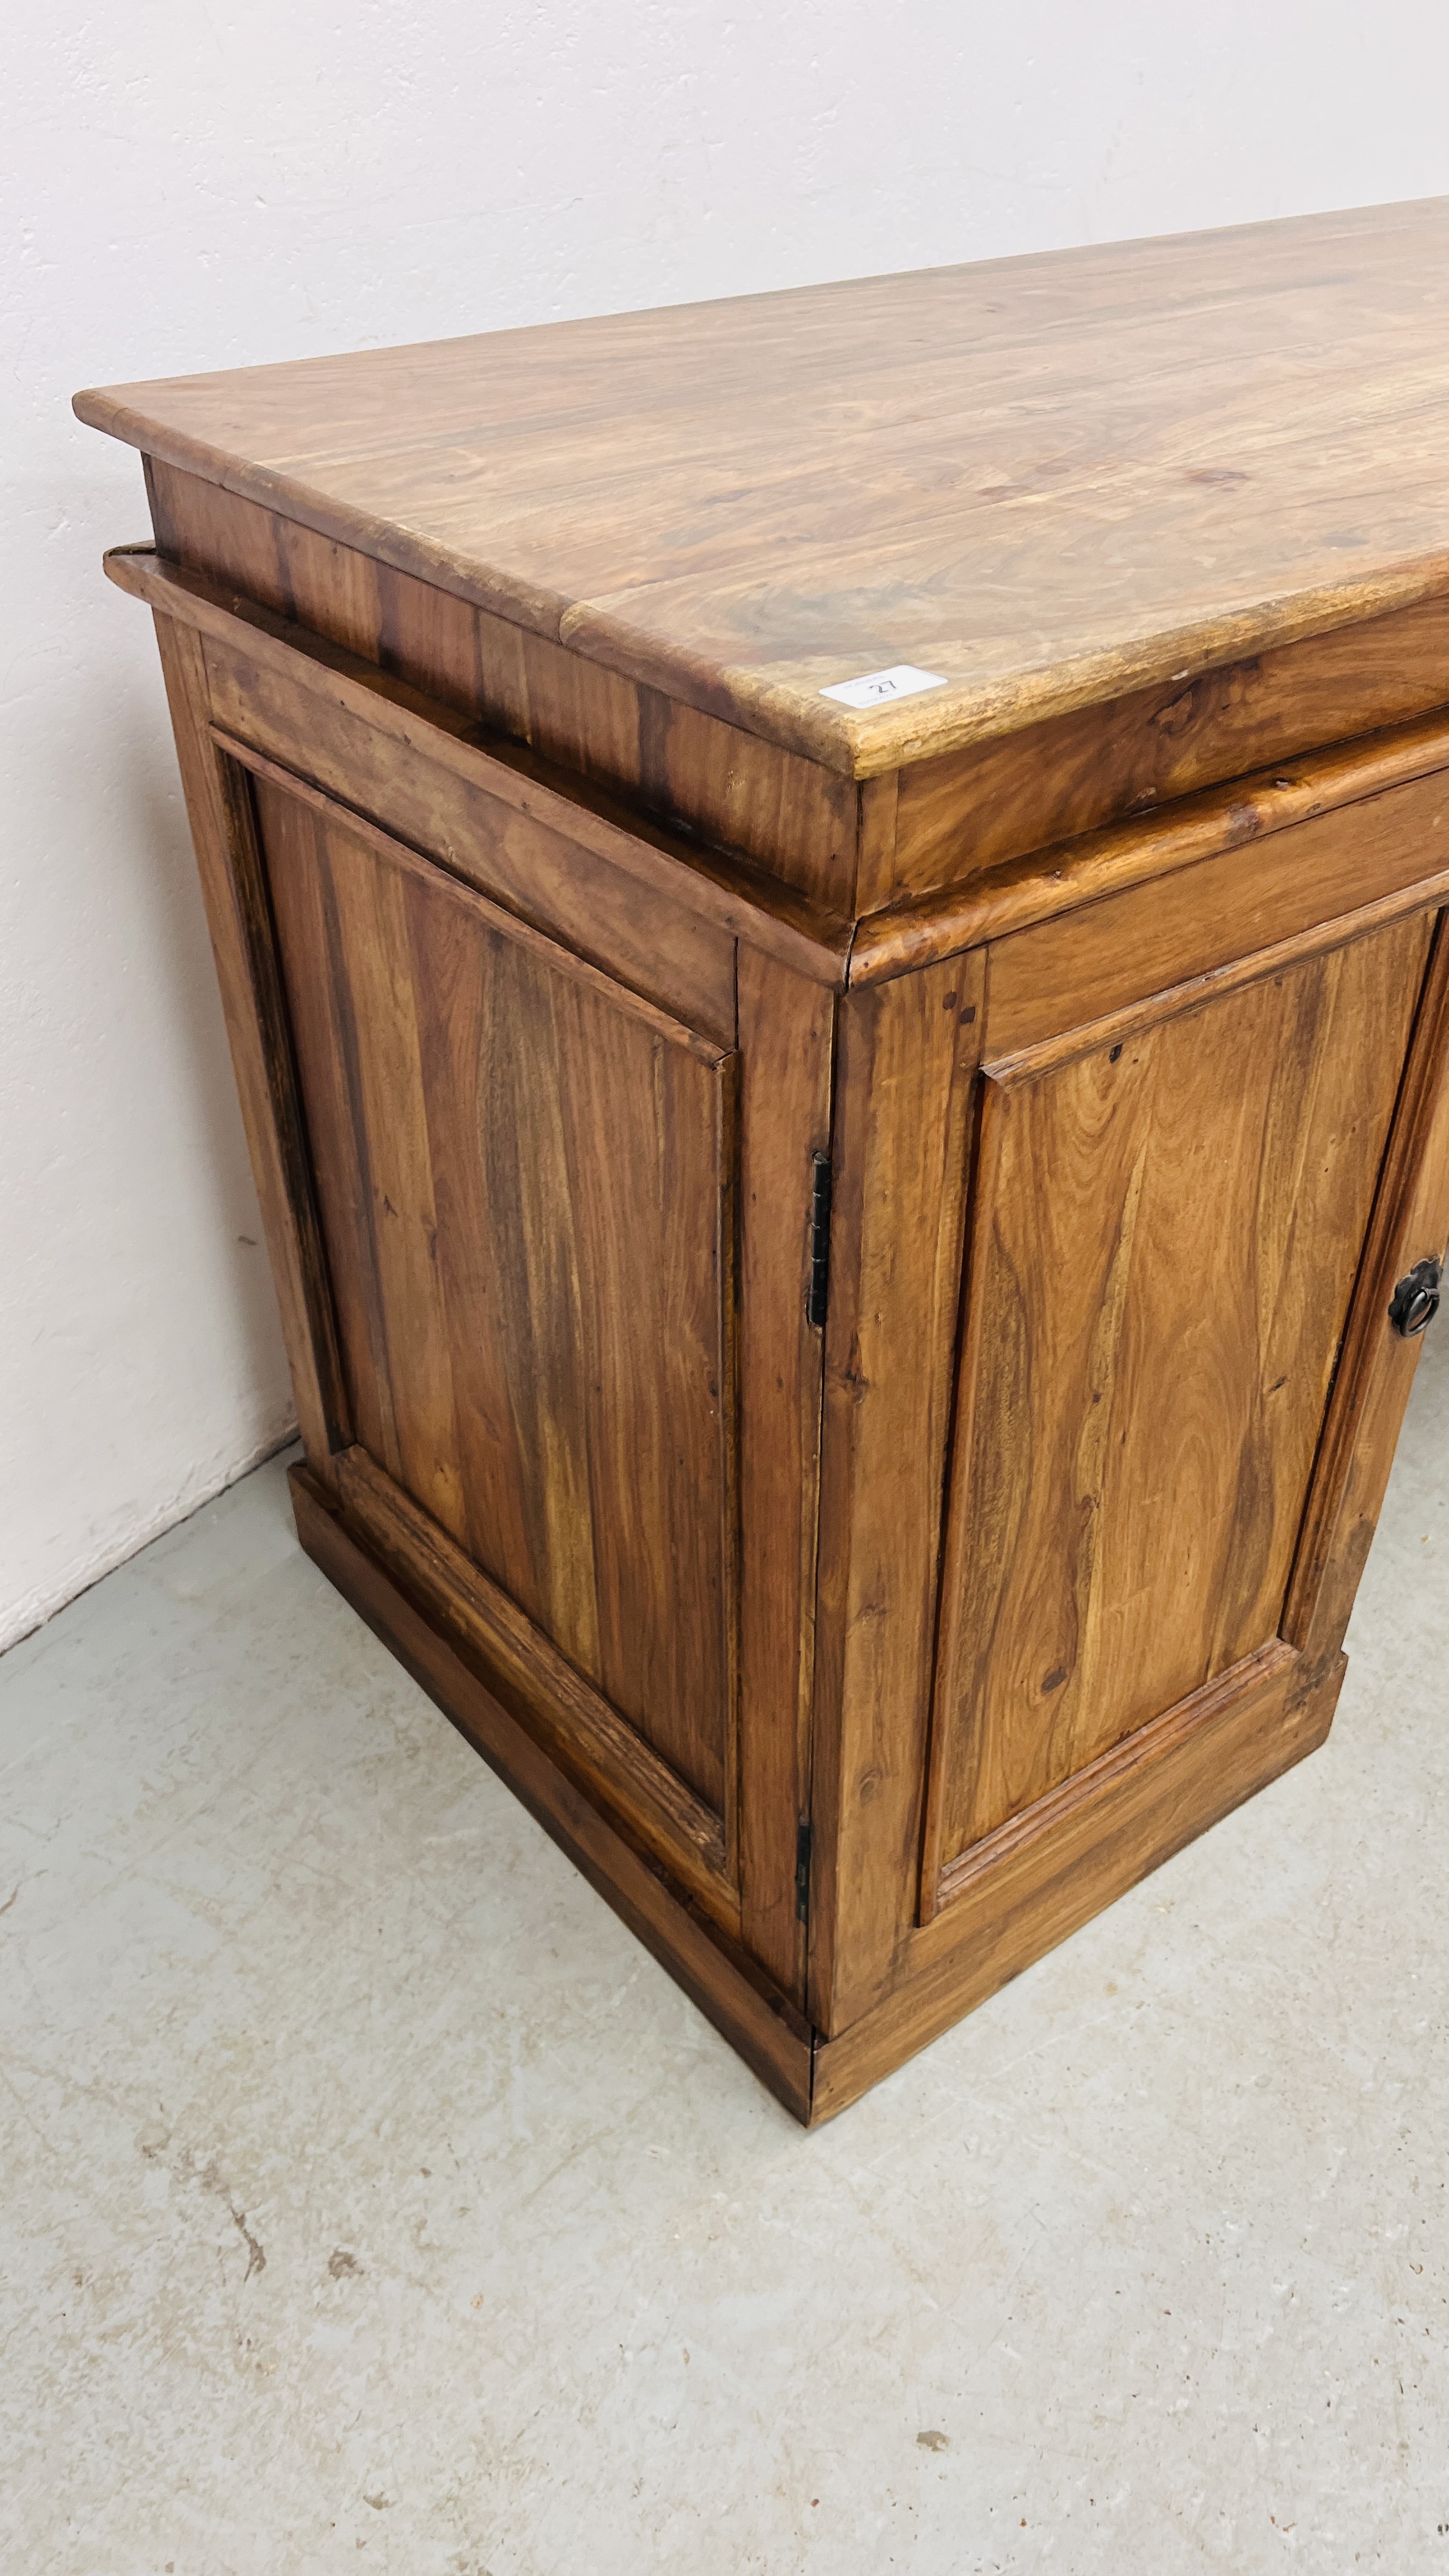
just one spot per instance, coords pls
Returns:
(819, 1239)
(802, 1872)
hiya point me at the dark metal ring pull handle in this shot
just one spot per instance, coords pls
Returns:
(1415, 1301)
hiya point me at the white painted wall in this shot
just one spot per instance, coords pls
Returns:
(190, 184)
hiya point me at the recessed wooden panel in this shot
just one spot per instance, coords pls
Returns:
(1165, 1239)
(525, 1177)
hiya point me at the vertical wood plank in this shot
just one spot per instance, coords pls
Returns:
(347, 951)
(380, 993)
(330, 585)
(479, 1238)
(1376, 1370)
(429, 637)
(875, 868)
(241, 937)
(640, 1175)
(313, 967)
(906, 1060)
(786, 1027)
(198, 523)
(796, 818)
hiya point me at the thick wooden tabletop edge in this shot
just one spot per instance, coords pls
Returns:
(858, 745)
(958, 715)
(540, 611)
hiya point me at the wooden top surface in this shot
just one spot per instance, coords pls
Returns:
(1045, 479)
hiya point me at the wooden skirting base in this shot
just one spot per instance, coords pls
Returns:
(770, 2035)
(1012, 1912)
(1058, 1865)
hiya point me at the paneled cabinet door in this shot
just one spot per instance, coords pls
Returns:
(565, 1225)
(1165, 1236)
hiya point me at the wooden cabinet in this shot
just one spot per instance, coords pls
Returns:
(844, 1262)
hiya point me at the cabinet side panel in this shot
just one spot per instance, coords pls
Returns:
(754, 2016)
(906, 1058)
(1165, 1239)
(525, 1173)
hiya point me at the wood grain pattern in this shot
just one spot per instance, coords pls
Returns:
(562, 923)
(681, 763)
(728, 1987)
(233, 888)
(1150, 1342)
(1050, 782)
(786, 1027)
(1410, 1223)
(668, 955)
(1083, 967)
(1177, 452)
(312, 704)
(1184, 1778)
(525, 1175)
(527, 1671)
(876, 862)
(906, 1056)
(928, 827)
(1047, 883)
(1122, 1823)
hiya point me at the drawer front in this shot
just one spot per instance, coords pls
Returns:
(1117, 954)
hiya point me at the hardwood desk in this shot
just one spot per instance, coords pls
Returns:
(842, 1255)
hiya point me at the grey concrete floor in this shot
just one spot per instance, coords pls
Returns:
(370, 2199)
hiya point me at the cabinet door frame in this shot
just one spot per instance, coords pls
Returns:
(699, 1838)
(1048, 1583)
(883, 1932)
(778, 1056)
(907, 1058)
(1409, 1223)
(1368, 1389)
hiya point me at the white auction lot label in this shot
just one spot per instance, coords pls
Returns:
(901, 681)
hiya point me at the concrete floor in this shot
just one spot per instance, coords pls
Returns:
(367, 2190)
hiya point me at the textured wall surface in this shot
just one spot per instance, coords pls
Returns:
(209, 187)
